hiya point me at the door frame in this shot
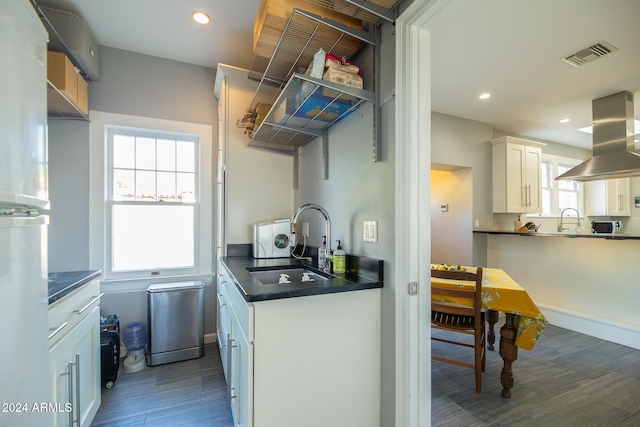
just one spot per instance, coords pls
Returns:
(413, 230)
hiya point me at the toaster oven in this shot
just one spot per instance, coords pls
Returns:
(606, 227)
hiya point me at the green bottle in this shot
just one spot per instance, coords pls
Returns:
(339, 260)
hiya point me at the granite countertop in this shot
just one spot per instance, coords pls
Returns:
(63, 283)
(363, 273)
(559, 234)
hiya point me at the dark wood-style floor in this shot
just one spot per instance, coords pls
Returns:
(189, 393)
(569, 379)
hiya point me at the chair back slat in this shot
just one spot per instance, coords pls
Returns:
(456, 305)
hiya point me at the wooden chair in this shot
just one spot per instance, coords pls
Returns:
(452, 316)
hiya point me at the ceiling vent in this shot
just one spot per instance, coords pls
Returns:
(589, 54)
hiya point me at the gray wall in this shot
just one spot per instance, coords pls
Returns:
(357, 190)
(130, 84)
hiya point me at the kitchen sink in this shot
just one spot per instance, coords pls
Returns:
(285, 275)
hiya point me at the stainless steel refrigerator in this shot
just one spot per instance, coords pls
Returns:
(24, 360)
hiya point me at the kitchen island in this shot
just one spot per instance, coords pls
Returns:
(584, 283)
(300, 354)
(608, 236)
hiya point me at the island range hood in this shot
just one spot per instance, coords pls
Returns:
(613, 141)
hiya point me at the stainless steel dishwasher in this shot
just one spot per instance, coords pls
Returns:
(176, 322)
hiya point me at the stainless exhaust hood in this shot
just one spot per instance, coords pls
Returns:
(613, 141)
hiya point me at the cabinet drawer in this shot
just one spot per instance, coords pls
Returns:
(66, 313)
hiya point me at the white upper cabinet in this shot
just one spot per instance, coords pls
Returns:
(610, 197)
(516, 175)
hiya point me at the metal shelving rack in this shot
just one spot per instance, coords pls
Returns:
(289, 124)
(58, 105)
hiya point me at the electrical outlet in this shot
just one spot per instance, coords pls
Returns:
(305, 229)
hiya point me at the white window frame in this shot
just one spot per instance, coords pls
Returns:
(110, 203)
(554, 161)
(98, 188)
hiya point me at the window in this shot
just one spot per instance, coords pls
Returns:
(559, 195)
(152, 202)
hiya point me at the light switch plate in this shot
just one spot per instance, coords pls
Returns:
(370, 231)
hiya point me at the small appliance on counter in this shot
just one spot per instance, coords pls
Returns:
(606, 227)
(271, 239)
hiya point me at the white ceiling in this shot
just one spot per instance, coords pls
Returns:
(510, 48)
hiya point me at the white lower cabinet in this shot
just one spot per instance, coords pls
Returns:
(74, 357)
(310, 361)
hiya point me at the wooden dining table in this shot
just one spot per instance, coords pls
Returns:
(524, 322)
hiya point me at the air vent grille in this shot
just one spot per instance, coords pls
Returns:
(589, 54)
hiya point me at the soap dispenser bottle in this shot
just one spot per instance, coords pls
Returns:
(339, 260)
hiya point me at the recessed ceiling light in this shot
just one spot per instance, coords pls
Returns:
(565, 120)
(485, 96)
(201, 17)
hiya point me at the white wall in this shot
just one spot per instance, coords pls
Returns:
(465, 143)
(259, 184)
(451, 230)
(130, 84)
(359, 189)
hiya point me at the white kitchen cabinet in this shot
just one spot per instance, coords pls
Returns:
(74, 354)
(516, 175)
(310, 361)
(610, 197)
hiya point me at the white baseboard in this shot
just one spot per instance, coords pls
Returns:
(209, 338)
(605, 329)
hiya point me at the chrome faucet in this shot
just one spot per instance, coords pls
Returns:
(561, 226)
(324, 254)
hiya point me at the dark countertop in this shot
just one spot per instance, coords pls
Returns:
(63, 283)
(570, 235)
(363, 273)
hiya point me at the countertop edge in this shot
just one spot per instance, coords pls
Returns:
(565, 235)
(63, 283)
(253, 291)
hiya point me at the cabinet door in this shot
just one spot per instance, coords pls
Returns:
(532, 182)
(75, 373)
(240, 379)
(515, 178)
(84, 349)
(223, 323)
(611, 197)
(60, 369)
(618, 195)
(245, 382)
(222, 331)
(595, 198)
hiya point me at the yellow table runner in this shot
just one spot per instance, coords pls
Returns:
(501, 293)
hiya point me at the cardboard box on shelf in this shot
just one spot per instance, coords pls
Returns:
(62, 74)
(272, 17)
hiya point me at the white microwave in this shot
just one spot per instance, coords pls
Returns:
(606, 227)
